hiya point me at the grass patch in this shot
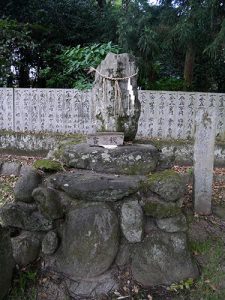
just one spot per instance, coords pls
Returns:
(200, 247)
(211, 284)
(24, 285)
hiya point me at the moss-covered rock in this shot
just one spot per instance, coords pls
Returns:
(161, 209)
(168, 184)
(129, 160)
(48, 165)
(162, 259)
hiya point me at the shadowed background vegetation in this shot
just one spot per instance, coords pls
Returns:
(52, 43)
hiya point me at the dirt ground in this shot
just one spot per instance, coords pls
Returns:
(206, 241)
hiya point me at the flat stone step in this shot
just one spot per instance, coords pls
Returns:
(91, 186)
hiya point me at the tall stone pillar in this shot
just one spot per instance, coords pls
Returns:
(204, 160)
(115, 98)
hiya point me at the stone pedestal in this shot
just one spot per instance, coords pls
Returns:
(100, 221)
(106, 139)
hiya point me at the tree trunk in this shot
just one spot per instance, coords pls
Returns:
(101, 3)
(189, 66)
(23, 78)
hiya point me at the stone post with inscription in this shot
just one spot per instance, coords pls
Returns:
(115, 101)
(203, 160)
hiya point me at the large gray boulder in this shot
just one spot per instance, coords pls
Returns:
(163, 259)
(89, 186)
(48, 202)
(6, 262)
(24, 216)
(90, 239)
(115, 103)
(26, 248)
(132, 221)
(26, 184)
(130, 159)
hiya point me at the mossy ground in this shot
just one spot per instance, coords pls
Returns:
(210, 255)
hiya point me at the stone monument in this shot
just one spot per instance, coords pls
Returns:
(205, 132)
(115, 99)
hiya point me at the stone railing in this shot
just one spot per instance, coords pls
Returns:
(163, 114)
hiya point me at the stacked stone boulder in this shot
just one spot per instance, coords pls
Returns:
(109, 210)
(6, 262)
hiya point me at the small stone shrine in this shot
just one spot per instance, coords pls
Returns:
(111, 210)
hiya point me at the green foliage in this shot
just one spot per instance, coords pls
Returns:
(175, 39)
(190, 171)
(167, 84)
(200, 247)
(24, 286)
(75, 63)
(182, 285)
(16, 47)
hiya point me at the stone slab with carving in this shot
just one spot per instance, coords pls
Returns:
(114, 96)
(106, 139)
